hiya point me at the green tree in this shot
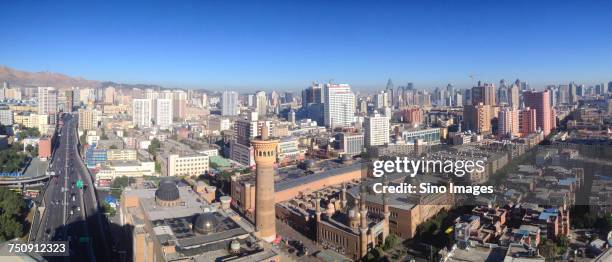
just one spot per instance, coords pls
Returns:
(12, 212)
(154, 146)
(549, 250)
(158, 167)
(28, 132)
(83, 138)
(106, 208)
(390, 242)
(118, 185)
(11, 160)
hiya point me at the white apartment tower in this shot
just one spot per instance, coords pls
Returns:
(163, 115)
(261, 103)
(376, 129)
(47, 100)
(229, 103)
(141, 112)
(339, 105)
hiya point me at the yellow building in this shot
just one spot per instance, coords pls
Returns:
(32, 120)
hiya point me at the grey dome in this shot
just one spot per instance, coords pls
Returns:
(309, 164)
(205, 223)
(167, 190)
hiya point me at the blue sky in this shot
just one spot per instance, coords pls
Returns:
(287, 44)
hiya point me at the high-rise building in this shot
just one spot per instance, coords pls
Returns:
(229, 103)
(572, 93)
(204, 100)
(69, 94)
(513, 96)
(527, 121)
(376, 129)
(261, 103)
(502, 93)
(109, 95)
(478, 118)
(540, 101)
(312, 94)
(88, 118)
(339, 105)
(47, 100)
(141, 113)
(508, 123)
(179, 104)
(163, 113)
(563, 94)
(484, 93)
(265, 158)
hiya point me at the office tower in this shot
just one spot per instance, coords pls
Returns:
(508, 123)
(229, 103)
(261, 103)
(390, 93)
(376, 129)
(438, 96)
(478, 118)
(563, 94)
(265, 158)
(339, 105)
(527, 121)
(458, 100)
(467, 97)
(502, 93)
(513, 97)
(381, 100)
(142, 113)
(163, 113)
(109, 95)
(540, 101)
(572, 93)
(312, 94)
(179, 104)
(47, 100)
(580, 90)
(554, 94)
(610, 87)
(484, 93)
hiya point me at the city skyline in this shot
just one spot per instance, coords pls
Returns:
(288, 45)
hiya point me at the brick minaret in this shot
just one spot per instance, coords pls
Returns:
(265, 158)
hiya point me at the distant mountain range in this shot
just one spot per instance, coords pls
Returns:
(20, 78)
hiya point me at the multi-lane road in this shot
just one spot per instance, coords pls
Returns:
(72, 213)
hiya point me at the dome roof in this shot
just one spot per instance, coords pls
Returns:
(205, 223)
(167, 190)
(309, 164)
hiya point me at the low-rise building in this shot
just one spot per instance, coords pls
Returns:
(172, 223)
(187, 165)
